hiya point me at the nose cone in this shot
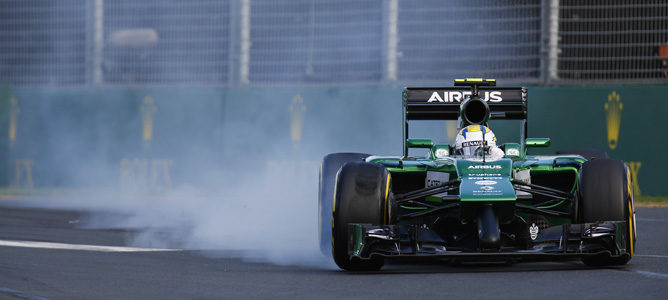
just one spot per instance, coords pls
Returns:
(489, 234)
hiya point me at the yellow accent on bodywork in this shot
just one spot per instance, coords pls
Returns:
(631, 237)
(475, 80)
(629, 187)
(336, 182)
(387, 193)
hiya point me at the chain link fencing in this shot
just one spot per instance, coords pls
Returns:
(611, 41)
(236, 43)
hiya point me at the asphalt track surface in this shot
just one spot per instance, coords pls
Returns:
(41, 271)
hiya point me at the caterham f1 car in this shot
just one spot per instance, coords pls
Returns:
(577, 204)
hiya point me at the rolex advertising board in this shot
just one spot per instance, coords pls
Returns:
(625, 121)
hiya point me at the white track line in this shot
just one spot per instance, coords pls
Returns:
(48, 245)
(20, 294)
(652, 255)
(652, 274)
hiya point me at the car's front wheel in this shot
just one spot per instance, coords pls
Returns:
(362, 195)
(606, 195)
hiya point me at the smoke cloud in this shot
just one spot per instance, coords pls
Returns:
(233, 174)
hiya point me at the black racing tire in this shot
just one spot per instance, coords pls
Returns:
(588, 153)
(328, 169)
(606, 195)
(362, 195)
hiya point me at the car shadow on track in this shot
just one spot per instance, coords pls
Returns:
(418, 267)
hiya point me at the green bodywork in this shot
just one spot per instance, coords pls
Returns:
(491, 182)
(485, 182)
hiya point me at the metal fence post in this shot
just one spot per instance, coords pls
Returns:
(98, 41)
(553, 41)
(391, 39)
(245, 42)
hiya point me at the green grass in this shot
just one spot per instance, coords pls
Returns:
(652, 199)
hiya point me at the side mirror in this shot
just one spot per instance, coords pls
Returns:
(419, 143)
(512, 150)
(440, 151)
(537, 142)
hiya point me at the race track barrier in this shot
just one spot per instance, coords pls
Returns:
(155, 139)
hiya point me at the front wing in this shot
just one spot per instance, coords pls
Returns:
(552, 243)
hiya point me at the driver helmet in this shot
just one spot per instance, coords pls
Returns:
(468, 142)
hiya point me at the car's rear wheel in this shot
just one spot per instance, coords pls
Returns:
(606, 195)
(588, 153)
(330, 165)
(362, 195)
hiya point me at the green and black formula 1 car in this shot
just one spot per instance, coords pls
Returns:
(577, 204)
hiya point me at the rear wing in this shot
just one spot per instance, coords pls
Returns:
(442, 103)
